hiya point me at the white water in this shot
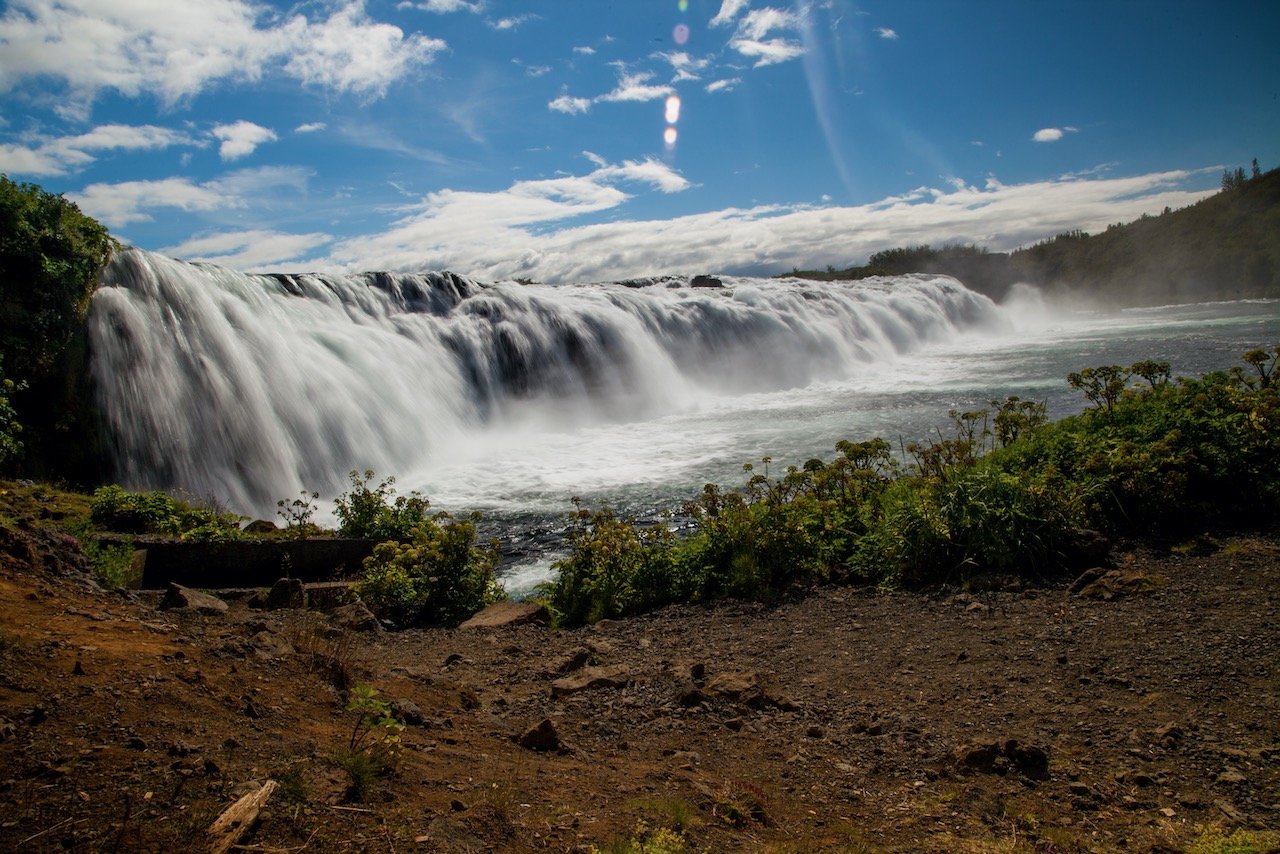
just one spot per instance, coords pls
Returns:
(510, 399)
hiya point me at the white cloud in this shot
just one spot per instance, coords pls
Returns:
(636, 87)
(444, 7)
(505, 235)
(569, 104)
(119, 204)
(758, 23)
(61, 155)
(886, 33)
(1052, 134)
(684, 65)
(729, 10)
(241, 139)
(726, 85)
(511, 23)
(310, 127)
(585, 50)
(771, 52)
(175, 49)
(254, 249)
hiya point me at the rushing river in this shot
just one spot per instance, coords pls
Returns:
(510, 399)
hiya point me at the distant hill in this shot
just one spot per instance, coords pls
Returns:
(1224, 247)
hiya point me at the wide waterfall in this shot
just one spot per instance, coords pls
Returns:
(248, 388)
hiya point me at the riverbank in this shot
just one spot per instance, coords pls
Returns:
(841, 720)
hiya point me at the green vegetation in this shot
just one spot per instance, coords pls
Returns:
(10, 429)
(114, 509)
(372, 513)
(50, 255)
(1224, 247)
(1215, 841)
(1008, 494)
(373, 748)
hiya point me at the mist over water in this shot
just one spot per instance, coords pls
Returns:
(510, 399)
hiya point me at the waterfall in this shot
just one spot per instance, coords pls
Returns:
(247, 388)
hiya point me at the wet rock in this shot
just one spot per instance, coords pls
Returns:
(616, 676)
(287, 593)
(509, 614)
(541, 737)
(179, 598)
(705, 282)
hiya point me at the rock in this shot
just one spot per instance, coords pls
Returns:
(616, 676)
(407, 711)
(1000, 757)
(179, 598)
(575, 660)
(355, 617)
(509, 614)
(705, 282)
(1231, 777)
(1114, 583)
(1169, 734)
(260, 526)
(287, 593)
(749, 689)
(269, 645)
(542, 737)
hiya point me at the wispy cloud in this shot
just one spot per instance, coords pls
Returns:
(886, 33)
(750, 40)
(728, 13)
(444, 7)
(636, 87)
(310, 127)
(241, 138)
(254, 249)
(126, 202)
(511, 23)
(63, 155)
(569, 104)
(505, 235)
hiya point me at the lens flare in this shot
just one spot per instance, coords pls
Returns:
(684, 5)
(669, 136)
(673, 109)
(680, 33)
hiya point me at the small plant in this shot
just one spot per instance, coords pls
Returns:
(1102, 385)
(740, 804)
(113, 566)
(647, 840)
(1213, 840)
(297, 514)
(373, 749)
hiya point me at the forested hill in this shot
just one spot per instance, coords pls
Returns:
(1224, 247)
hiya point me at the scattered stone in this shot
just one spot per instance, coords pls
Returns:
(269, 645)
(542, 737)
(575, 660)
(1169, 734)
(815, 731)
(616, 676)
(179, 598)
(77, 669)
(509, 614)
(287, 593)
(135, 743)
(994, 757)
(457, 805)
(355, 617)
(1231, 777)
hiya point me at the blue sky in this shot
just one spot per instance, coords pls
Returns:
(509, 139)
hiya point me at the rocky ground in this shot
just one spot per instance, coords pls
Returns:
(1140, 712)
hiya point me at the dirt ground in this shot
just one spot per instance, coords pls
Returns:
(1141, 714)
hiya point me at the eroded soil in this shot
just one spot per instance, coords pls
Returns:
(1034, 720)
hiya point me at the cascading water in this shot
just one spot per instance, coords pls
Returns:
(248, 388)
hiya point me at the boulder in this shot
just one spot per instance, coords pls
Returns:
(750, 689)
(1115, 583)
(355, 617)
(509, 614)
(705, 282)
(179, 598)
(287, 593)
(542, 737)
(260, 526)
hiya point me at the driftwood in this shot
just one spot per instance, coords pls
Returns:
(237, 819)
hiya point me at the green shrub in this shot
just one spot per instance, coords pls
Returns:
(377, 513)
(115, 509)
(440, 577)
(10, 429)
(373, 748)
(113, 566)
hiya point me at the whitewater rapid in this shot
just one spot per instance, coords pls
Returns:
(245, 389)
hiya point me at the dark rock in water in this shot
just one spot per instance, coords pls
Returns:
(287, 593)
(542, 737)
(179, 598)
(705, 282)
(509, 614)
(355, 617)
(260, 526)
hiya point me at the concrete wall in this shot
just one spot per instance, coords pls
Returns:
(256, 563)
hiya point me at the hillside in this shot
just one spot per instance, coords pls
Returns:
(1224, 247)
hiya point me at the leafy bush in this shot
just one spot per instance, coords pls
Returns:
(115, 509)
(373, 513)
(373, 748)
(10, 429)
(441, 576)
